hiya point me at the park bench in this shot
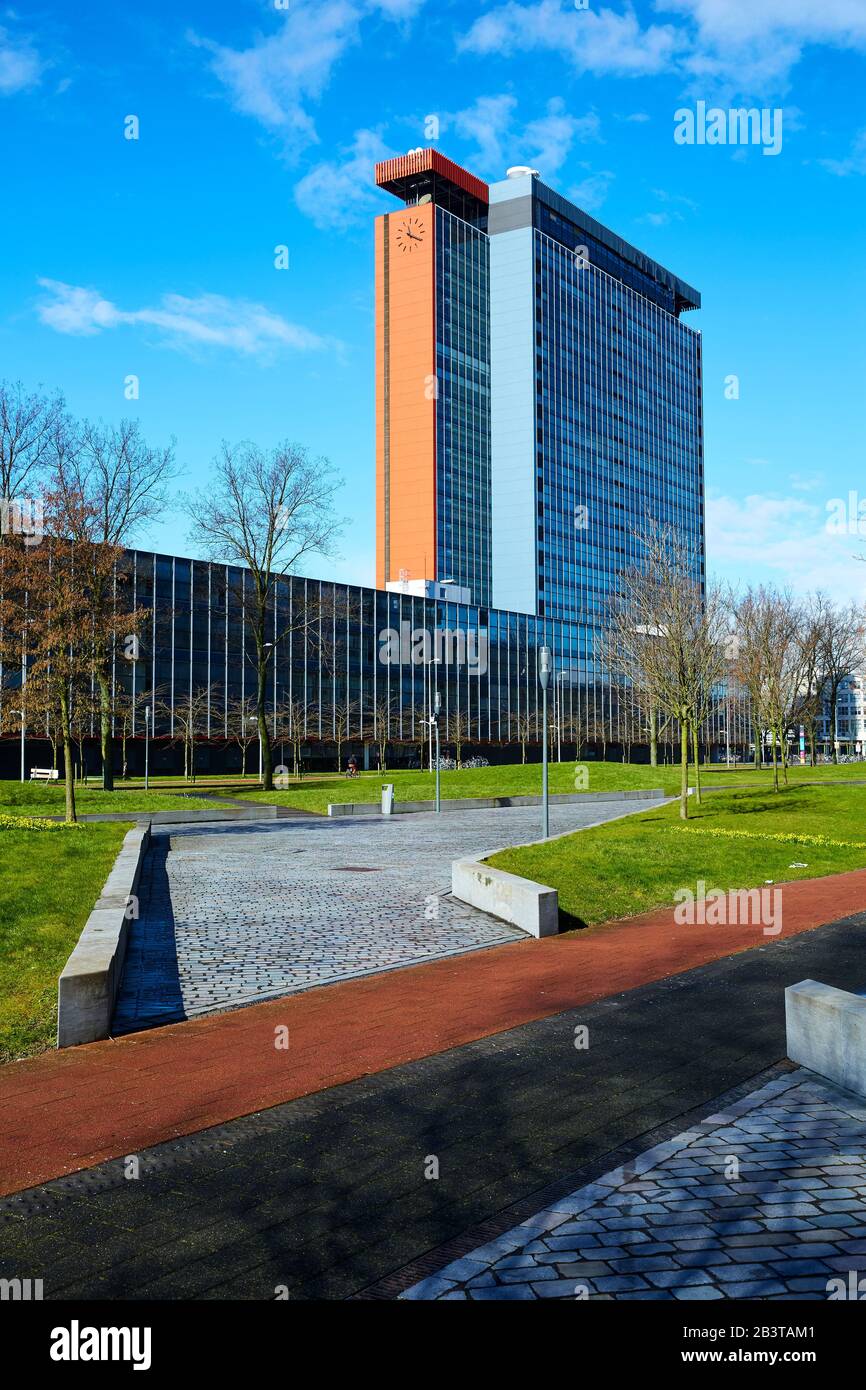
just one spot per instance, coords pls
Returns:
(44, 774)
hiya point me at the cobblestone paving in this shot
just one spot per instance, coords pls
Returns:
(235, 913)
(676, 1224)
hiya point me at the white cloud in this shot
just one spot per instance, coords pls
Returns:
(783, 540)
(733, 47)
(501, 139)
(599, 41)
(488, 121)
(279, 74)
(853, 163)
(208, 320)
(398, 9)
(591, 192)
(20, 64)
(736, 23)
(548, 140)
(660, 219)
(342, 191)
(752, 46)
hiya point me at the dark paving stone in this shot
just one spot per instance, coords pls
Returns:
(327, 1194)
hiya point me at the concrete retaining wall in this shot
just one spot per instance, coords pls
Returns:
(531, 906)
(87, 988)
(826, 1032)
(473, 803)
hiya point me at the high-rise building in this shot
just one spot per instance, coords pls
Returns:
(538, 395)
(433, 377)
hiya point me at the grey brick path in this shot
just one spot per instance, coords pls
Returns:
(765, 1200)
(233, 914)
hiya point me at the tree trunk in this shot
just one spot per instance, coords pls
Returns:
(697, 764)
(834, 696)
(684, 770)
(68, 765)
(106, 741)
(654, 739)
(775, 764)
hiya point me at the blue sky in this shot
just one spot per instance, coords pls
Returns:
(259, 126)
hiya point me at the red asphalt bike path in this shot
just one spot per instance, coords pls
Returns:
(64, 1111)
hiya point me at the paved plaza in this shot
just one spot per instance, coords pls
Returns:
(235, 913)
(766, 1199)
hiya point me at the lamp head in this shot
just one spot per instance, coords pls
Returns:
(545, 665)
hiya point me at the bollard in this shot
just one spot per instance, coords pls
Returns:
(387, 798)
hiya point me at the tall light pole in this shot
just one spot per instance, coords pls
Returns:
(21, 712)
(437, 705)
(254, 719)
(146, 744)
(23, 702)
(545, 663)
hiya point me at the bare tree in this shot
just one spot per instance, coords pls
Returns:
(842, 649)
(188, 719)
(421, 718)
(522, 725)
(28, 421)
(292, 716)
(458, 731)
(768, 662)
(243, 725)
(343, 714)
(667, 633)
(809, 703)
(381, 728)
(46, 599)
(266, 510)
(107, 482)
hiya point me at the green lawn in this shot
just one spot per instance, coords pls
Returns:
(48, 799)
(316, 790)
(49, 881)
(633, 865)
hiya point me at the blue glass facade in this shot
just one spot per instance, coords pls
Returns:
(351, 661)
(596, 405)
(463, 405)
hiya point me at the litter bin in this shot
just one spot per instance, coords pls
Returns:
(387, 798)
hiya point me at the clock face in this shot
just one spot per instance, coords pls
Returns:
(410, 235)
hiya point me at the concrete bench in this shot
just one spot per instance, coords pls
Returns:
(533, 907)
(826, 1032)
(88, 985)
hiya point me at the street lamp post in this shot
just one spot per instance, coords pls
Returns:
(21, 712)
(544, 668)
(254, 719)
(437, 705)
(146, 745)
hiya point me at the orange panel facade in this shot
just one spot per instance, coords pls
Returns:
(405, 395)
